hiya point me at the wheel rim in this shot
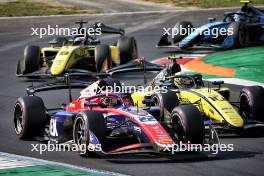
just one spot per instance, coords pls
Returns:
(244, 106)
(156, 101)
(177, 126)
(79, 132)
(18, 119)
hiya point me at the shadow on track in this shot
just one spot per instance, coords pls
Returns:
(190, 157)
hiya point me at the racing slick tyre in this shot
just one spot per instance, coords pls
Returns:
(31, 60)
(166, 102)
(240, 34)
(127, 49)
(29, 117)
(102, 58)
(85, 121)
(251, 102)
(186, 25)
(188, 124)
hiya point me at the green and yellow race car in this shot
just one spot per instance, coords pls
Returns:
(213, 103)
(77, 53)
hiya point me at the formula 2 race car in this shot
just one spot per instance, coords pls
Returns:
(104, 119)
(77, 52)
(243, 28)
(213, 103)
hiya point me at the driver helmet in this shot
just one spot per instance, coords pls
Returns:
(177, 80)
(79, 41)
(239, 17)
(187, 82)
(183, 81)
(109, 101)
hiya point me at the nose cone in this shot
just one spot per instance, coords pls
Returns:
(235, 120)
(57, 67)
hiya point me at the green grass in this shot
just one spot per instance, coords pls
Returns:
(248, 62)
(206, 3)
(30, 8)
(46, 170)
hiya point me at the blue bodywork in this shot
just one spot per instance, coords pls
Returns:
(206, 31)
(248, 31)
(62, 121)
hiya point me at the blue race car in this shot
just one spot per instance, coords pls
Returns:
(237, 30)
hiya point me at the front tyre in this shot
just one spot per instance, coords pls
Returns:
(85, 122)
(188, 124)
(240, 34)
(166, 102)
(31, 60)
(251, 103)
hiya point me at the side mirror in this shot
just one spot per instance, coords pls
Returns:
(148, 101)
(211, 20)
(220, 82)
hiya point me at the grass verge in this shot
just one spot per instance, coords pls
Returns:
(248, 62)
(31, 8)
(205, 3)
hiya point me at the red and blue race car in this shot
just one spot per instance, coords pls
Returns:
(107, 122)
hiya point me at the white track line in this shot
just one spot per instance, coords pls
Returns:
(8, 163)
(45, 162)
(237, 81)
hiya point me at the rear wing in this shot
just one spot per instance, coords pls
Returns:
(76, 78)
(139, 64)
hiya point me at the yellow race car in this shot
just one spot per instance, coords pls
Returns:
(77, 53)
(213, 103)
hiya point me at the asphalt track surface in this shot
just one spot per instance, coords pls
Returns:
(246, 159)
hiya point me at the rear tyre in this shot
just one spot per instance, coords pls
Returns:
(127, 49)
(188, 124)
(29, 117)
(102, 58)
(31, 60)
(240, 34)
(251, 102)
(166, 102)
(186, 25)
(85, 121)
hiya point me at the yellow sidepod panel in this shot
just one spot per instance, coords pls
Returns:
(115, 55)
(66, 58)
(213, 105)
